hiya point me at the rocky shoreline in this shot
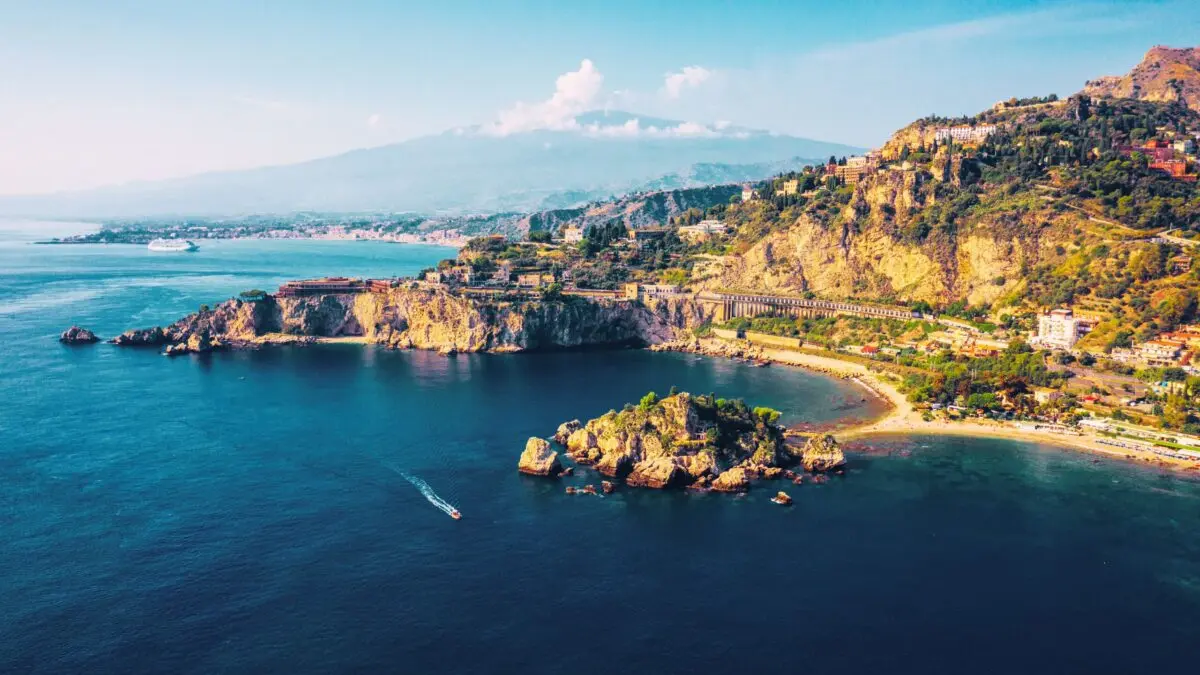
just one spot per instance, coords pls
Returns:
(422, 317)
(683, 441)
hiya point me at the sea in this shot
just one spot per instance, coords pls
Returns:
(283, 510)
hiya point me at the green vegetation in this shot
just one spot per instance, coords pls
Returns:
(979, 382)
(835, 331)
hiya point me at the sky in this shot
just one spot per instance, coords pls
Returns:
(101, 93)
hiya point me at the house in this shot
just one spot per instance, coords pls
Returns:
(534, 279)
(849, 173)
(503, 273)
(572, 234)
(1123, 355)
(1186, 146)
(1060, 329)
(1160, 352)
(1044, 395)
(643, 236)
(1175, 168)
(790, 187)
(1180, 264)
(870, 350)
(748, 194)
(702, 230)
(381, 285)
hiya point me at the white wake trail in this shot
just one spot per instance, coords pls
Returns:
(445, 506)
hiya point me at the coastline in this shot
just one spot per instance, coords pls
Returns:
(901, 418)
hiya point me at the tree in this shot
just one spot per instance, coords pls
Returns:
(540, 236)
(648, 401)
(767, 415)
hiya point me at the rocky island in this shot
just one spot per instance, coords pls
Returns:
(75, 335)
(684, 440)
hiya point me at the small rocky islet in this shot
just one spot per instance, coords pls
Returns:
(77, 335)
(698, 442)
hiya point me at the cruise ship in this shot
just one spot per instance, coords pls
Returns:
(172, 245)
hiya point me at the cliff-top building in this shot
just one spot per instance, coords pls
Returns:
(702, 230)
(964, 133)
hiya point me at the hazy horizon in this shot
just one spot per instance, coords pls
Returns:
(127, 92)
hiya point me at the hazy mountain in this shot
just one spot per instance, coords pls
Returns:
(463, 170)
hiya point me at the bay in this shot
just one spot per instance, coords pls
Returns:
(246, 512)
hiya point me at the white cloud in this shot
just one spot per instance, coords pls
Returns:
(374, 120)
(690, 130)
(574, 92)
(634, 129)
(630, 129)
(690, 76)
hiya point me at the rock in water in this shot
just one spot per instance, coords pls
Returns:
(565, 430)
(733, 480)
(822, 453)
(199, 342)
(77, 336)
(146, 337)
(659, 473)
(538, 459)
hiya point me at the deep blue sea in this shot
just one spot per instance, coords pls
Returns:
(248, 512)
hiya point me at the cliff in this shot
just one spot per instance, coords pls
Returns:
(633, 211)
(425, 318)
(892, 237)
(1164, 75)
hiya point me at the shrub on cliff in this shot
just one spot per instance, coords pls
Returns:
(648, 401)
(767, 415)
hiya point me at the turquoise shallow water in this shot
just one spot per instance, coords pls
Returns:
(244, 512)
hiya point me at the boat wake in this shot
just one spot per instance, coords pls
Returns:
(441, 504)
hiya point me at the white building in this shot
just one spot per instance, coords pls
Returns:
(1187, 146)
(747, 194)
(1060, 329)
(964, 133)
(572, 234)
(702, 230)
(1160, 352)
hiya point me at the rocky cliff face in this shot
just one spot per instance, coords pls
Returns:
(1164, 75)
(868, 249)
(634, 211)
(430, 319)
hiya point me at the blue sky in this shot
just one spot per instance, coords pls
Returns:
(96, 93)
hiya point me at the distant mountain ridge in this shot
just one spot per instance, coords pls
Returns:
(1165, 74)
(464, 171)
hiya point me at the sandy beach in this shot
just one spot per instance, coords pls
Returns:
(902, 418)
